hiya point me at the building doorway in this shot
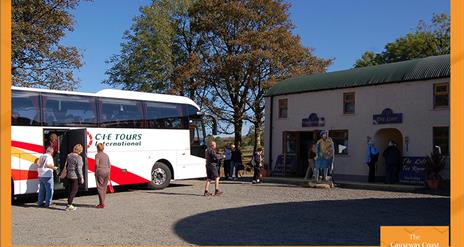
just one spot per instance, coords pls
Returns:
(382, 137)
(295, 152)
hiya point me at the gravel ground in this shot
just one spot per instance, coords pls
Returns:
(264, 214)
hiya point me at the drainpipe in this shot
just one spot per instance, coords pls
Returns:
(270, 134)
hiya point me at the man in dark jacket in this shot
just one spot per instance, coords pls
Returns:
(212, 159)
(392, 157)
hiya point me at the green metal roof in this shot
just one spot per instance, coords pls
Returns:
(411, 70)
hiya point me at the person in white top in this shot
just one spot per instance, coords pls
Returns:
(45, 167)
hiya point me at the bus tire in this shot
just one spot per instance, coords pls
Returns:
(160, 176)
(13, 198)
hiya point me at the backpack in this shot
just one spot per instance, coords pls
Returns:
(253, 162)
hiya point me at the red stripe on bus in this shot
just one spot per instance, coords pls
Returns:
(28, 146)
(118, 175)
(23, 174)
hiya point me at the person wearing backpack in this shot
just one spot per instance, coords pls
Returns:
(372, 156)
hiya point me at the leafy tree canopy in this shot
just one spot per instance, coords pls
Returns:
(38, 59)
(427, 40)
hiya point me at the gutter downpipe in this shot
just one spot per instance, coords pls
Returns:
(270, 134)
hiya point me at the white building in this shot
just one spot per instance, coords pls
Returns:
(407, 102)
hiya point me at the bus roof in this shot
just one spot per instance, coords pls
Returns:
(121, 94)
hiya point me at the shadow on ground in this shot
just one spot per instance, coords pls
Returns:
(347, 222)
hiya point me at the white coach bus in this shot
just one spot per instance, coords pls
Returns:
(150, 138)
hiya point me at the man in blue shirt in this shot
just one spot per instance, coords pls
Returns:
(372, 155)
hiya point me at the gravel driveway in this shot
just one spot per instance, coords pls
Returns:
(264, 214)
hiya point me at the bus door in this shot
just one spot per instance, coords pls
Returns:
(197, 138)
(201, 127)
(69, 140)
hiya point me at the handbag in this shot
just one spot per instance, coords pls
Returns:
(64, 172)
(109, 187)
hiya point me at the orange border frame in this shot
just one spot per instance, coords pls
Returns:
(457, 122)
(456, 111)
(5, 120)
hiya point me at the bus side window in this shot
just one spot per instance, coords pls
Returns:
(25, 108)
(117, 113)
(69, 110)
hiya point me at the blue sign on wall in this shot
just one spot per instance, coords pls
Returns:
(387, 116)
(413, 170)
(313, 121)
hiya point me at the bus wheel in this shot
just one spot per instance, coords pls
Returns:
(160, 176)
(13, 199)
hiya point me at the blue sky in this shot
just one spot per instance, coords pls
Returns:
(340, 29)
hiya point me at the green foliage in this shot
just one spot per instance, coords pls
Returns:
(159, 52)
(426, 40)
(38, 60)
(222, 54)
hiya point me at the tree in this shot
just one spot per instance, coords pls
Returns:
(38, 60)
(427, 40)
(160, 52)
(223, 54)
(247, 46)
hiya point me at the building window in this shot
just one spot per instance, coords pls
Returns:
(290, 143)
(440, 95)
(340, 139)
(348, 103)
(441, 139)
(283, 107)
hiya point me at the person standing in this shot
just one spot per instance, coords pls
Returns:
(392, 157)
(102, 173)
(257, 164)
(324, 155)
(227, 160)
(372, 155)
(236, 161)
(212, 159)
(45, 168)
(74, 175)
(311, 156)
(54, 143)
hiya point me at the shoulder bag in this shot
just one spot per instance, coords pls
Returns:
(64, 172)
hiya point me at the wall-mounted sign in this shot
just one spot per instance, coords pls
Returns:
(413, 170)
(387, 116)
(313, 121)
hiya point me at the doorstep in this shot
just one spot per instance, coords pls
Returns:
(352, 184)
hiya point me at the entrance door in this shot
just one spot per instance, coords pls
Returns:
(306, 138)
(295, 151)
(382, 137)
(70, 139)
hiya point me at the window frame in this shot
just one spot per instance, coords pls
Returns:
(434, 138)
(347, 134)
(282, 103)
(438, 94)
(345, 102)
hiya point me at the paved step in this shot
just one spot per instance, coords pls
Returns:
(350, 184)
